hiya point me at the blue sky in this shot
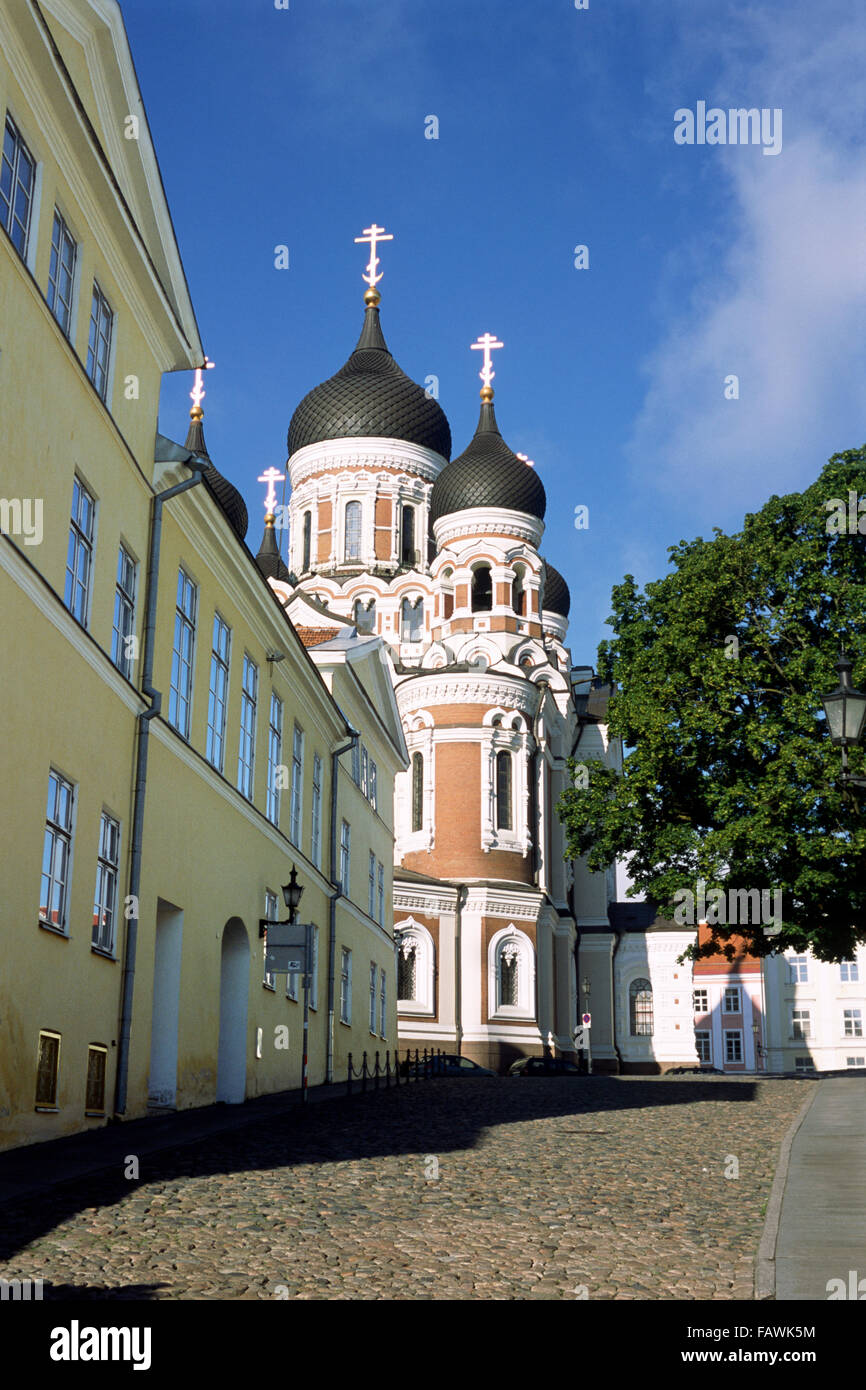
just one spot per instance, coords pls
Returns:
(301, 126)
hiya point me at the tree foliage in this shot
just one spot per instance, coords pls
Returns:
(729, 775)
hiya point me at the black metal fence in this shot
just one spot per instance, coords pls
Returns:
(394, 1073)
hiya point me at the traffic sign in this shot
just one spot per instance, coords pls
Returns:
(587, 1018)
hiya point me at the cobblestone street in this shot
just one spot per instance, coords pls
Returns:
(549, 1188)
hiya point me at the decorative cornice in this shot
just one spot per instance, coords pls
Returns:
(335, 455)
(444, 689)
(488, 521)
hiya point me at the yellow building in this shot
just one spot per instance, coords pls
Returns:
(172, 747)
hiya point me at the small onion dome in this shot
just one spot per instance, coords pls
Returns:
(370, 397)
(269, 559)
(227, 496)
(556, 599)
(487, 474)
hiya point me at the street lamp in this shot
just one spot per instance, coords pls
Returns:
(845, 708)
(292, 892)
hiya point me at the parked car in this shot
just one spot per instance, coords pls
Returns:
(695, 1071)
(543, 1066)
(446, 1064)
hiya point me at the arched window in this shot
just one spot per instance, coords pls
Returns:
(482, 589)
(503, 791)
(308, 534)
(353, 531)
(640, 1000)
(511, 979)
(364, 615)
(412, 620)
(415, 968)
(407, 536)
(417, 791)
(518, 594)
(407, 972)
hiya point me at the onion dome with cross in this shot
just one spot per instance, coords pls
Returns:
(370, 396)
(228, 497)
(488, 474)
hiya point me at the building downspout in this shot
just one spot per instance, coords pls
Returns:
(337, 885)
(462, 895)
(619, 937)
(198, 467)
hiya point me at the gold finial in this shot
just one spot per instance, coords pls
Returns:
(372, 298)
(486, 394)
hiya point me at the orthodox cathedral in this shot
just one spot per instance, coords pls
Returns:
(439, 558)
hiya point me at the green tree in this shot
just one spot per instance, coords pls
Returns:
(729, 775)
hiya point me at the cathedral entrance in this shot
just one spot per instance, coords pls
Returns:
(234, 999)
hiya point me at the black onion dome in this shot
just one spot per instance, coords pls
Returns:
(226, 494)
(556, 599)
(487, 474)
(269, 559)
(370, 397)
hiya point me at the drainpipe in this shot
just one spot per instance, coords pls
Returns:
(165, 452)
(337, 885)
(462, 895)
(619, 937)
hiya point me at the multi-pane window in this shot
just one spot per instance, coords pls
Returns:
(801, 1023)
(105, 896)
(372, 785)
(56, 853)
(407, 972)
(97, 1056)
(372, 885)
(798, 967)
(365, 769)
(247, 742)
(345, 986)
(701, 1001)
(356, 764)
(407, 536)
(180, 691)
(853, 1022)
(17, 180)
(271, 909)
(79, 554)
(733, 1045)
(99, 341)
(849, 972)
(503, 791)
(308, 535)
(61, 273)
(417, 791)
(353, 531)
(412, 620)
(803, 1064)
(275, 759)
(218, 693)
(373, 979)
(640, 996)
(380, 915)
(316, 847)
(702, 1044)
(731, 1002)
(509, 964)
(47, 1068)
(297, 785)
(345, 854)
(383, 998)
(855, 1061)
(123, 631)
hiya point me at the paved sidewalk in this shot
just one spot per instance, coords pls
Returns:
(32, 1169)
(822, 1231)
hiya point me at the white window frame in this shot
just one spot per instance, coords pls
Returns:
(412, 935)
(374, 981)
(346, 857)
(247, 734)
(105, 896)
(372, 887)
(101, 324)
(703, 1007)
(737, 1034)
(61, 240)
(345, 985)
(508, 939)
(344, 538)
(796, 965)
(799, 1018)
(273, 793)
(505, 731)
(218, 692)
(82, 541)
(383, 1004)
(704, 1045)
(380, 914)
(58, 831)
(316, 817)
(183, 664)
(730, 992)
(11, 127)
(849, 972)
(123, 627)
(855, 1061)
(271, 913)
(852, 1023)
